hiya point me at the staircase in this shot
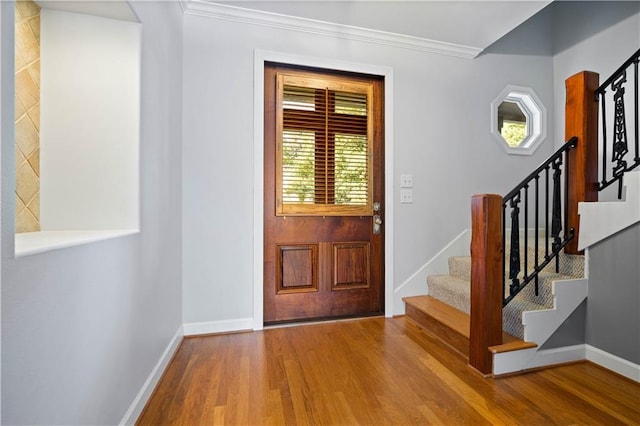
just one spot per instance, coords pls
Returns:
(444, 311)
(469, 308)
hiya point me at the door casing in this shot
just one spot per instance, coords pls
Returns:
(260, 57)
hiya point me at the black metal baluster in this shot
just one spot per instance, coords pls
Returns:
(603, 103)
(620, 145)
(514, 252)
(526, 233)
(546, 213)
(637, 136)
(536, 220)
(504, 253)
(567, 231)
(556, 214)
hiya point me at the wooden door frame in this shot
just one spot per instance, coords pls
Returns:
(260, 57)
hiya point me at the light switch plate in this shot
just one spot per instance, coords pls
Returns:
(406, 196)
(406, 181)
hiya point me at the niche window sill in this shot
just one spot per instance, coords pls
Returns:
(39, 242)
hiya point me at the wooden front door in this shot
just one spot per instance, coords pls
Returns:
(323, 187)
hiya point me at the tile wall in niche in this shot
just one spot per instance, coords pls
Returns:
(27, 126)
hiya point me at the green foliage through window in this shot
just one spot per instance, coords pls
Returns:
(514, 133)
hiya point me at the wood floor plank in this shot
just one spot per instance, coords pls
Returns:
(370, 371)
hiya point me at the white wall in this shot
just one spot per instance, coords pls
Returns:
(442, 137)
(83, 327)
(90, 122)
(7, 131)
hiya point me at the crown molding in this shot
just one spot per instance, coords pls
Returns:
(274, 20)
(184, 5)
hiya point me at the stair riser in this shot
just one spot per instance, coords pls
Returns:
(460, 267)
(453, 292)
(457, 341)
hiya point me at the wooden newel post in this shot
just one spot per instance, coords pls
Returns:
(486, 279)
(581, 120)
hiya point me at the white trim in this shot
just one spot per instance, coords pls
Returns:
(536, 113)
(149, 385)
(260, 57)
(312, 26)
(184, 5)
(614, 363)
(28, 243)
(416, 284)
(211, 327)
(599, 220)
(511, 362)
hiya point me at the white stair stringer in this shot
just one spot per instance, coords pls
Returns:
(540, 325)
(598, 220)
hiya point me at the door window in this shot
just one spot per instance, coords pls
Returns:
(323, 145)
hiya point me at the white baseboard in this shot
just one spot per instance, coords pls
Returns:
(149, 385)
(211, 327)
(416, 284)
(560, 355)
(511, 362)
(613, 363)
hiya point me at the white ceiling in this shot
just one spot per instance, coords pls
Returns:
(471, 23)
(474, 23)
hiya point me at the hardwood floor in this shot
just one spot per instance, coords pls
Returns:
(372, 371)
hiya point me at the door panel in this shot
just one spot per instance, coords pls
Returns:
(318, 266)
(297, 268)
(351, 265)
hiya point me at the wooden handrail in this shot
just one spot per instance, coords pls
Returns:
(486, 280)
(581, 120)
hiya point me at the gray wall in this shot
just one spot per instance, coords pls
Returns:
(571, 331)
(599, 37)
(590, 36)
(83, 327)
(613, 307)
